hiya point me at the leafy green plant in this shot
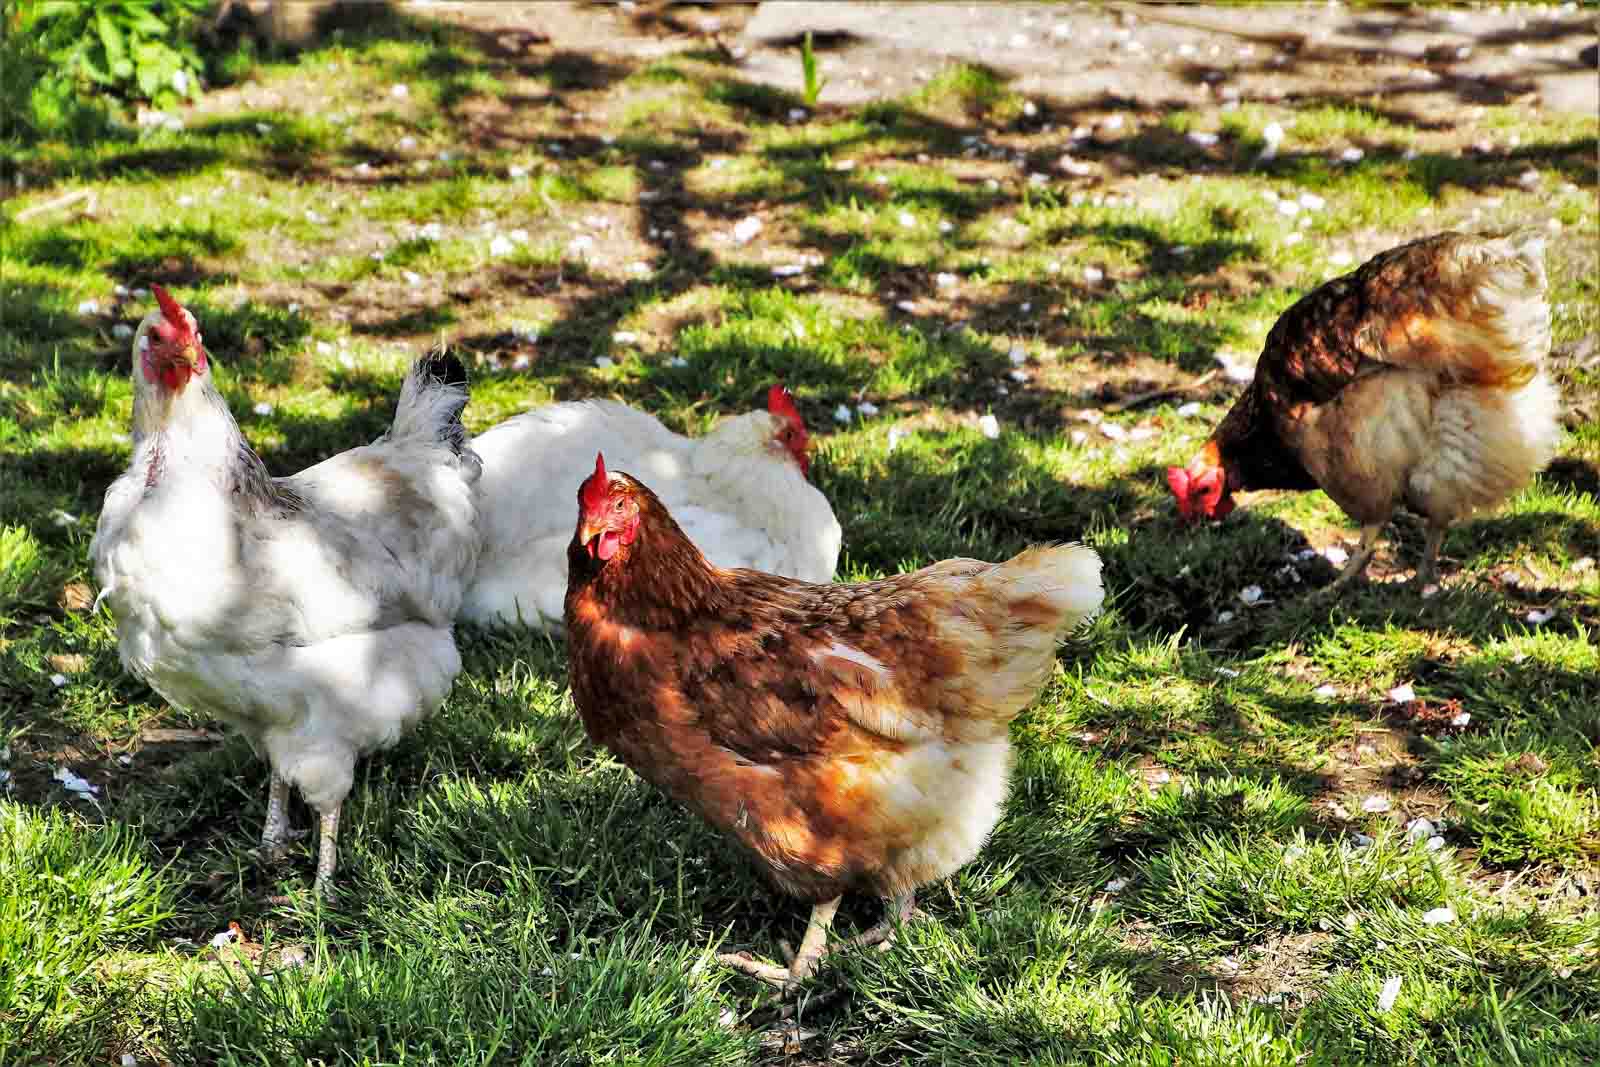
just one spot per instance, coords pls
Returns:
(59, 54)
(808, 71)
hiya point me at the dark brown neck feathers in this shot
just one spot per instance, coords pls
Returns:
(658, 582)
(1250, 451)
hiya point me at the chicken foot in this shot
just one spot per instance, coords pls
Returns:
(814, 947)
(275, 831)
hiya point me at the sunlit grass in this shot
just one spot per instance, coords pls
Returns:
(1182, 873)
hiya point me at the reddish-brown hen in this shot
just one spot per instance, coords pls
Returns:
(1417, 379)
(849, 737)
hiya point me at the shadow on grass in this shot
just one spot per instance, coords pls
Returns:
(948, 493)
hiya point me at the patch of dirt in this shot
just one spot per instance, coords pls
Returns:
(1423, 60)
(113, 768)
(1379, 767)
(1283, 970)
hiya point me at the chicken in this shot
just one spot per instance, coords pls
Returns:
(849, 737)
(740, 492)
(1418, 379)
(314, 612)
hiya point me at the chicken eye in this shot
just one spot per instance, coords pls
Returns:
(617, 507)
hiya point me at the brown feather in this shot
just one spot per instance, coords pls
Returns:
(786, 713)
(1449, 311)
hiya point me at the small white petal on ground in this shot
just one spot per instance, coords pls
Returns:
(1389, 994)
(746, 229)
(71, 782)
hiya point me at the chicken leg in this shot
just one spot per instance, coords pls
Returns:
(1358, 562)
(814, 946)
(275, 831)
(327, 850)
(1428, 569)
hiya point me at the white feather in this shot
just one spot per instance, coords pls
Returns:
(741, 502)
(316, 617)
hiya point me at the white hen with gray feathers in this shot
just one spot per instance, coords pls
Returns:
(313, 612)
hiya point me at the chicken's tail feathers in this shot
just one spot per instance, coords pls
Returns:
(431, 402)
(1474, 309)
(1510, 303)
(1015, 616)
(1529, 244)
(444, 367)
(1052, 588)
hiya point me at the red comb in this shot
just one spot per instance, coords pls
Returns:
(781, 402)
(1178, 482)
(169, 307)
(594, 491)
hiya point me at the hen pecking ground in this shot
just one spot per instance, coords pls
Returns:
(1245, 828)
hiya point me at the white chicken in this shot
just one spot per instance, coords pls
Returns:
(313, 612)
(740, 493)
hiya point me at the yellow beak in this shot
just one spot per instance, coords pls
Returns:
(588, 530)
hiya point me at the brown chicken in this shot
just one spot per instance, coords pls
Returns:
(1418, 379)
(849, 737)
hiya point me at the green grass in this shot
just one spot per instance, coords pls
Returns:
(1182, 874)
